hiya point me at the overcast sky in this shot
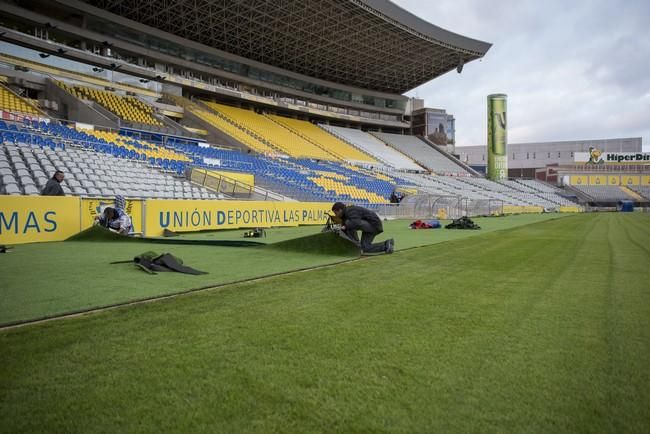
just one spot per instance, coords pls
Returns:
(572, 69)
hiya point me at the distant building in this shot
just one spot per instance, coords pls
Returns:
(525, 158)
(436, 125)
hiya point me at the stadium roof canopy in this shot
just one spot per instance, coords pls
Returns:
(370, 44)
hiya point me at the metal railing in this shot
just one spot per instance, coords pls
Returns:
(230, 187)
(424, 206)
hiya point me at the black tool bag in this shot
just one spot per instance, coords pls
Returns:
(463, 223)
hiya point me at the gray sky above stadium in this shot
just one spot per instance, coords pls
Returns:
(572, 70)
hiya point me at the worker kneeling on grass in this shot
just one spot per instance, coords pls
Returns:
(355, 218)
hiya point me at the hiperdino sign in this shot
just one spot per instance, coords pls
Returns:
(596, 156)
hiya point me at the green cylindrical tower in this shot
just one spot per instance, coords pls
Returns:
(497, 137)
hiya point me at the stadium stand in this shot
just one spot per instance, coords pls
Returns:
(374, 147)
(422, 153)
(94, 165)
(221, 123)
(271, 132)
(11, 102)
(52, 71)
(324, 139)
(484, 189)
(300, 179)
(604, 193)
(128, 108)
(102, 163)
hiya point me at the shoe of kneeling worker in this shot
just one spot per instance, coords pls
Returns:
(390, 246)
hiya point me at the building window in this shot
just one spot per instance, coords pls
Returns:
(559, 155)
(534, 155)
(513, 155)
(571, 154)
(549, 155)
(527, 155)
(483, 157)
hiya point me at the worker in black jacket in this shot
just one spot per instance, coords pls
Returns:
(355, 218)
(53, 186)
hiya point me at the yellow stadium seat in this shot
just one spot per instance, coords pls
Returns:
(323, 139)
(13, 103)
(272, 132)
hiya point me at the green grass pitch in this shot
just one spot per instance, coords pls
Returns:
(542, 327)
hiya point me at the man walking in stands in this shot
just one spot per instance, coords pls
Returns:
(53, 186)
(355, 218)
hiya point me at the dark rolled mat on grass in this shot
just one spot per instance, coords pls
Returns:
(98, 233)
(327, 243)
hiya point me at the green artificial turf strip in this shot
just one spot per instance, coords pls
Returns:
(328, 243)
(41, 280)
(542, 328)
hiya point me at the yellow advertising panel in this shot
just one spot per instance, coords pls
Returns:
(579, 180)
(570, 209)
(597, 179)
(630, 180)
(198, 215)
(93, 207)
(30, 219)
(614, 180)
(645, 180)
(516, 209)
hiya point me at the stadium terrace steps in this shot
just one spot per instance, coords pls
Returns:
(422, 153)
(324, 140)
(375, 147)
(272, 132)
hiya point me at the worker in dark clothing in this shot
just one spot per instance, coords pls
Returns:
(53, 186)
(355, 218)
